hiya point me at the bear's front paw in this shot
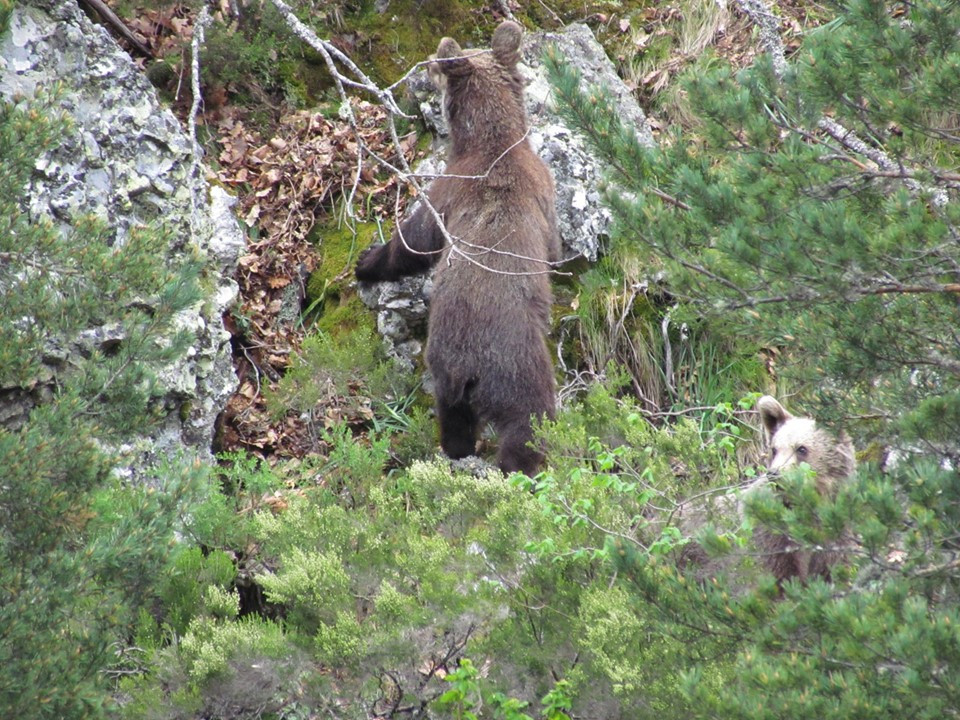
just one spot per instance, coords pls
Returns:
(368, 266)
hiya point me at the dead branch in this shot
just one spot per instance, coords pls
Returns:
(111, 19)
(196, 150)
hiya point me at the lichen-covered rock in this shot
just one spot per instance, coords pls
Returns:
(577, 172)
(401, 313)
(583, 220)
(127, 161)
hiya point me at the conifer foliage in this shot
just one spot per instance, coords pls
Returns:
(78, 551)
(814, 208)
(844, 244)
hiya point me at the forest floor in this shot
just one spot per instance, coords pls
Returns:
(292, 168)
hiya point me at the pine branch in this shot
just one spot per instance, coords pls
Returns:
(769, 26)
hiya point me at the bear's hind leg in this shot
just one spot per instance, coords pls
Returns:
(515, 454)
(458, 428)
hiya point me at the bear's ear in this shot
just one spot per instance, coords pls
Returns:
(847, 452)
(772, 415)
(449, 58)
(438, 79)
(506, 43)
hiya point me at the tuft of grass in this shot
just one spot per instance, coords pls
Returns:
(683, 36)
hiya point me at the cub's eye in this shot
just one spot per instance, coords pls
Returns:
(802, 451)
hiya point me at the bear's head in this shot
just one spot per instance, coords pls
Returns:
(482, 91)
(794, 440)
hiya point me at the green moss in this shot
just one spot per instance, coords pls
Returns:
(410, 29)
(340, 245)
(333, 303)
(345, 314)
(6, 9)
(389, 43)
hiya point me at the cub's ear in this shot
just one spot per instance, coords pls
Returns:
(847, 451)
(772, 414)
(449, 59)
(506, 43)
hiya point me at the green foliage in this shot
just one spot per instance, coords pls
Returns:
(467, 694)
(210, 645)
(191, 584)
(772, 228)
(877, 643)
(79, 551)
(373, 579)
(257, 56)
(351, 372)
(464, 692)
(326, 368)
(389, 583)
(6, 9)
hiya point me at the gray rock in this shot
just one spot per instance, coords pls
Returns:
(401, 314)
(128, 161)
(583, 220)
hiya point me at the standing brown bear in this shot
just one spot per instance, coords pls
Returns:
(490, 307)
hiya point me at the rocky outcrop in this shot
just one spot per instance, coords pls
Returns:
(583, 220)
(126, 160)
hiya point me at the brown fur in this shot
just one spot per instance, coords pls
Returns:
(790, 440)
(490, 307)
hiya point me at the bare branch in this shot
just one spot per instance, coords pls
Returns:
(197, 152)
(329, 51)
(769, 26)
(110, 17)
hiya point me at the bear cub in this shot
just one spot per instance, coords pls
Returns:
(789, 441)
(490, 307)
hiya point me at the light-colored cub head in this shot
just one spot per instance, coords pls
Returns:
(793, 440)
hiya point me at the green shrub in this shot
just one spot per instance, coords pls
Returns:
(775, 224)
(80, 552)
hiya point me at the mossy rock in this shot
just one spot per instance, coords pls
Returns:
(387, 43)
(340, 246)
(335, 304)
(409, 30)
